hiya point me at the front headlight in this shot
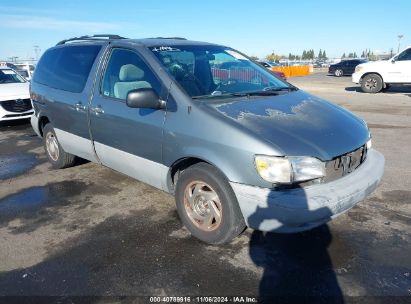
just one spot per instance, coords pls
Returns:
(288, 170)
(369, 144)
(358, 68)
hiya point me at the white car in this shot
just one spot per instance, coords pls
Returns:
(14, 96)
(25, 69)
(378, 75)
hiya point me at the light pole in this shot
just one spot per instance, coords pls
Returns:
(399, 42)
(36, 51)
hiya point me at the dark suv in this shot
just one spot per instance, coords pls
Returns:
(236, 146)
(345, 67)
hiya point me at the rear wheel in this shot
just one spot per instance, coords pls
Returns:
(58, 158)
(371, 83)
(338, 72)
(207, 205)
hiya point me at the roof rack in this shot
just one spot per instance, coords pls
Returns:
(93, 37)
(176, 38)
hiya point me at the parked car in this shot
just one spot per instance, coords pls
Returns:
(269, 66)
(243, 151)
(378, 75)
(14, 95)
(345, 67)
(320, 64)
(25, 69)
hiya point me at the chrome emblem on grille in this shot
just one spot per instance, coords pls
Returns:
(347, 163)
(19, 102)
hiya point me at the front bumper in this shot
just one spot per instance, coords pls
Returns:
(6, 115)
(34, 120)
(299, 209)
(356, 77)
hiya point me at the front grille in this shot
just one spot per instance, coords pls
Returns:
(17, 105)
(345, 164)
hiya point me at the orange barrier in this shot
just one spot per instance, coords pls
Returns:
(290, 71)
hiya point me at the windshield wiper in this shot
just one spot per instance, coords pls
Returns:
(254, 93)
(236, 94)
(278, 89)
(270, 91)
(207, 96)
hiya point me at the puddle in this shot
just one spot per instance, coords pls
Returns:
(16, 164)
(23, 201)
(36, 206)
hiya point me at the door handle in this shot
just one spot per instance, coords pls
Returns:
(79, 106)
(98, 110)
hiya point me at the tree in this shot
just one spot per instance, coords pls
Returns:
(355, 55)
(363, 54)
(304, 56)
(343, 55)
(324, 55)
(254, 58)
(273, 57)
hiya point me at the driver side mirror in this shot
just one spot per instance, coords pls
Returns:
(394, 59)
(144, 98)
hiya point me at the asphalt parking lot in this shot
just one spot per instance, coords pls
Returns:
(88, 230)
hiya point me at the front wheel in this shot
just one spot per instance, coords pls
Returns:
(371, 83)
(207, 205)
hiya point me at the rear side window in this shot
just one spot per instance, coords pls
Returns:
(66, 68)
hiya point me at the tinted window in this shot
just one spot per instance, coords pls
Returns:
(126, 71)
(66, 68)
(406, 55)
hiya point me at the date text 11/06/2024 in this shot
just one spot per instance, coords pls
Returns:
(198, 299)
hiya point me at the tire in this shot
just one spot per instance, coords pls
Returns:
(213, 193)
(58, 158)
(371, 83)
(338, 73)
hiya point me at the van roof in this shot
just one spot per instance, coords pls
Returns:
(148, 42)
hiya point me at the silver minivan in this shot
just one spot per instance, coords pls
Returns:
(236, 145)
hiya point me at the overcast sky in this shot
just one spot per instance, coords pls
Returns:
(254, 27)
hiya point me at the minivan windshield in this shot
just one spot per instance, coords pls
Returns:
(9, 76)
(207, 71)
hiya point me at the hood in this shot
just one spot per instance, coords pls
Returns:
(14, 90)
(373, 64)
(298, 124)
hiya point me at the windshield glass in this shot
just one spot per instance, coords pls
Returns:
(210, 71)
(9, 76)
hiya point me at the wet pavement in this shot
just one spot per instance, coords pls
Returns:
(89, 231)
